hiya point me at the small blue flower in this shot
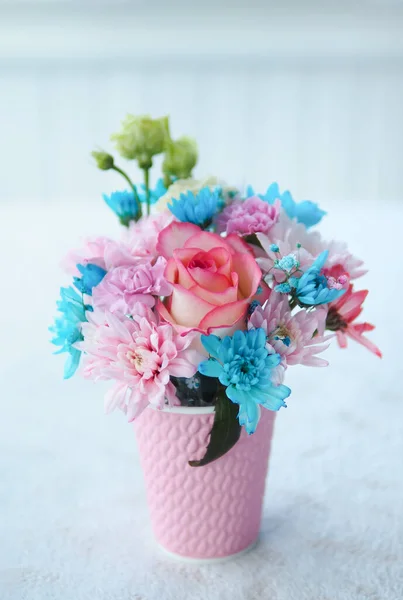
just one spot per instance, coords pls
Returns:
(312, 288)
(243, 365)
(155, 194)
(283, 288)
(274, 248)
(91, 276)
(287, 263)
(306, 212)
(198, 209)
(123, 204)
(67, 328)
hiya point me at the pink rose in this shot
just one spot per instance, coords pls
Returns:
(213, 279)
(123, 287)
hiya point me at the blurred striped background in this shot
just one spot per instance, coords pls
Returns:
(310, 95)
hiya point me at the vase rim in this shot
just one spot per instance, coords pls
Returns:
(185, 410)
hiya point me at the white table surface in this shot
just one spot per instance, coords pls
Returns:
(73, 517)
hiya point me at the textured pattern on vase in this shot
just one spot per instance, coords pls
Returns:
(202, 512)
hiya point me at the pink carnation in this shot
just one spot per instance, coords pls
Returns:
(142, 237)
(139, 242)
(123, 287)
(93, 251)
(253, 215)
(290, 335)
(141, 354)
(138, 245)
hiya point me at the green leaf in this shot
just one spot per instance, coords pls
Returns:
(225, 432)
(252, 239)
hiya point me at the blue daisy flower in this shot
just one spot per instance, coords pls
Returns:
(67, 328)
(196, 208)
(243, 365)
(306, 212)
(123, 204)
(311, 288)
(155, 194)
(91, 275)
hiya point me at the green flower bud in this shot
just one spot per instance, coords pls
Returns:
(103, 159)
(141, 138)
(180, 158)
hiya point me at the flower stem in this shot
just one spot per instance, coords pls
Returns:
(147, 186)
(293, 302)
(129, 181)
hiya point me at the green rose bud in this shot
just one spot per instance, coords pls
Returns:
(141, 138)
(180, 158)
(104, 160)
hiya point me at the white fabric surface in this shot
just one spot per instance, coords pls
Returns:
(73, 516)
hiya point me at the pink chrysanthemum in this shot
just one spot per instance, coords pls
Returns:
(341, 316)
(293, 238)
(123, 287)
(287, 234)
(141, 354)
(290, 335)
(92, 251)
(252, 215)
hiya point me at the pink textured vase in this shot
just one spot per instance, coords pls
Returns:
(208, 512)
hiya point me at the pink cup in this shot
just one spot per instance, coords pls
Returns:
(210, 512)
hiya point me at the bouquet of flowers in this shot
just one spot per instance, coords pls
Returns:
(208, 296)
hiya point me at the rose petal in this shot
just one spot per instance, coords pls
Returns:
(249, 273)
(165, 315)
(207, 241)
(221, 256)
(171, 271)
(185, 255)
(222, 259)
(230, 294)
(184, 277)
(213, 282)
(238, 244)
(174, 236)
(224, 316)
(230, 330)
(186, 308)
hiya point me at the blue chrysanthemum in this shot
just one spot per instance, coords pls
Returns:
(243, 365)
(155, 194)
(312, 289)
(306, 212)
(196, 208)
(67, 328)
(91, 275)
(123, 204)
